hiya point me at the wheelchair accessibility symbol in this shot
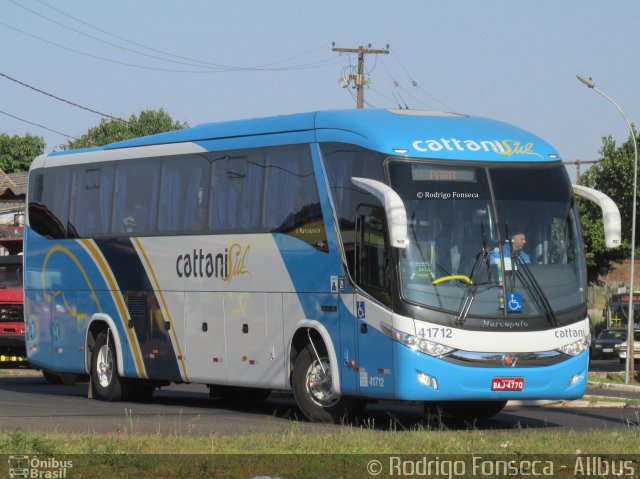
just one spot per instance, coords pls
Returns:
(514, 303)
(361, 313)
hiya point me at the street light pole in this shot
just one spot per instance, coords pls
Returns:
(629, 368)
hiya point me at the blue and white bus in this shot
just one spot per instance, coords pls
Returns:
(346, 256)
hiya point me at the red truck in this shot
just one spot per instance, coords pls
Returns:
(12, 327)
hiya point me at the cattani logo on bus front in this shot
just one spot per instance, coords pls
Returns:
(224, 265)
(501, 147)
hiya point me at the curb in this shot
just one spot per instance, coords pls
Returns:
(614, 387)
(578, 403)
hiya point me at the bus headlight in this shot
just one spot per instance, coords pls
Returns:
(417, 344)
(576, 347)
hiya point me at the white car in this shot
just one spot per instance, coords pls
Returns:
(636, 348)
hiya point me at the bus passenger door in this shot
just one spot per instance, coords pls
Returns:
(205, 337)
(373, 276)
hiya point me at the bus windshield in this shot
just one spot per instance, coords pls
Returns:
(493, 240)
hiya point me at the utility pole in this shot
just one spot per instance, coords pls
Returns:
(578, 163)
(358, 79)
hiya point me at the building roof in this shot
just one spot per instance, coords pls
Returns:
(13, 184)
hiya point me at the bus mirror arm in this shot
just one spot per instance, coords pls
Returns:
(610, 213)
(393, 207)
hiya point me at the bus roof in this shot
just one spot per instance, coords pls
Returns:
(410, 133)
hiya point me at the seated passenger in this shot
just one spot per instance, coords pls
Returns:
(136, 221)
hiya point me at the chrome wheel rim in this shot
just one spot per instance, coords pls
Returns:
(320, 385)
(104, 366)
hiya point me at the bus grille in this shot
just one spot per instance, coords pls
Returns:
(11, 313)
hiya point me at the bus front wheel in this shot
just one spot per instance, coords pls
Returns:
(106, 383)
(314, 392)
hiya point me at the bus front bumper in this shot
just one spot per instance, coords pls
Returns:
(426, 378)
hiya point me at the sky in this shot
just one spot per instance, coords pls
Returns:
(204, 61)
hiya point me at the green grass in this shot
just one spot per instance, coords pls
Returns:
(610, 399)
(336, 453)
(127, 454)
(348, 440)
(613, 378)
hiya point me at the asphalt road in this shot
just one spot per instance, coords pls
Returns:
(29, 402)
(610, 365)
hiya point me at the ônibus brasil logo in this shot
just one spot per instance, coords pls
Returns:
(35, 467)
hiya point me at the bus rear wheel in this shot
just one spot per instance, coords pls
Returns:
(314, 391)
(106, 383)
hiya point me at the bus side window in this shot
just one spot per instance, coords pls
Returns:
(182, 195)
(91, 201)
(136, 198)
(291, 200)
(49, 192)
(237, 181)
(372, 253)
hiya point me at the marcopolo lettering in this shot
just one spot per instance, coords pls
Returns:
(203, 264)
(504, 324)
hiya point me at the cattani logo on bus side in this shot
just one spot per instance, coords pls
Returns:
(226, 265)
(501, 147)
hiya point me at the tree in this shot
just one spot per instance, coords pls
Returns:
(17, 152)
(613, 175)
(148, 122)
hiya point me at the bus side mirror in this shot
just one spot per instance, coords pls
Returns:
(393, 207)
(610, 213)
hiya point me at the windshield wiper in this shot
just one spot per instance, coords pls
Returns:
(482, 259)
(531, 283)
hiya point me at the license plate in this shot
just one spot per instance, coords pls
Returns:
(607, 350)
(507, 384)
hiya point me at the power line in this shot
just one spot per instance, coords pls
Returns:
(396, 85)
(60, 99)
(130, 50)
(415, 84)
(189, 62)
(395, 100)
(305, 66)
(38, 125)
(123, 38)
(162, 52)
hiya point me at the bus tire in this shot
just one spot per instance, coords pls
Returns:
(472, 410)
(106, 383)
(314, 393)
